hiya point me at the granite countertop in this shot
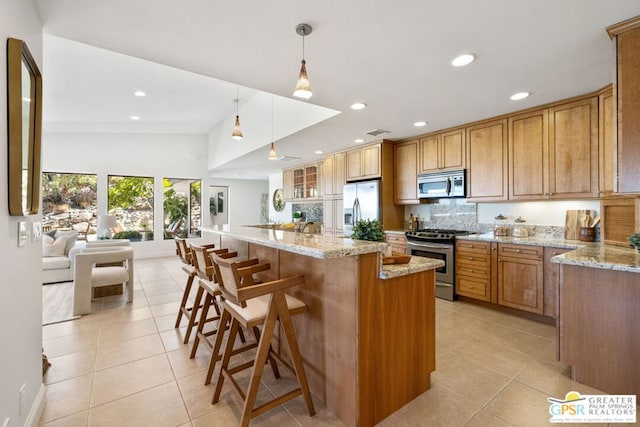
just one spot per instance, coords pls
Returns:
(416, 265)
(314, 245)
(586, 254)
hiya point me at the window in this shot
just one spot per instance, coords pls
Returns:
(131, 201)
(182, 207)
(69, 202)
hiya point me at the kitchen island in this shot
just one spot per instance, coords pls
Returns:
(368, 340)
(599, 303)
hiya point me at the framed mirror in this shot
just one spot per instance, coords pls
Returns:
(24, 106)
(278, 200)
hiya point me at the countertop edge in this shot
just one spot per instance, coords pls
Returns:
(416, 265)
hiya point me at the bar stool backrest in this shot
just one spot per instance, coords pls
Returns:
(233, 275)
(202, 262)
(183, 250)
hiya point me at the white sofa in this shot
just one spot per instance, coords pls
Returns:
(60, 268)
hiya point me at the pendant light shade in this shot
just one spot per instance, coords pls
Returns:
(272, 153)
(303, 87)
(237, 132)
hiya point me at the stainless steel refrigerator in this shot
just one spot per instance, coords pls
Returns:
(361, 201)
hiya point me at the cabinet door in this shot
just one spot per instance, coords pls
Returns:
(406, 174)
(354, 164)
(628, 100)
(520, 284)
(607, 143)
(298, 183)
(551, 281)
(338, 218)
(327, 175)
(487, 161)
(371, 161)
(573, 149)
(452, 150)
(328, 214)
(287, 184)
(429, 154)
(311, 181)
(338, 173)
(528, 156)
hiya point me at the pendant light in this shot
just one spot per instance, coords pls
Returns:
(272, 150)
(237, 132)
(303, 87)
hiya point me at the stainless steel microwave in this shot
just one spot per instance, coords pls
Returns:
(442, 185)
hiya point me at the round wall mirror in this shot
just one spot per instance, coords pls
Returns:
(278, 200)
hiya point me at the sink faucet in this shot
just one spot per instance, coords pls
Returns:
(305, 226)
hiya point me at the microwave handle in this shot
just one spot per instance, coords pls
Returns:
(448, 186)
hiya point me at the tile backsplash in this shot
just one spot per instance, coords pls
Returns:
(312, 210)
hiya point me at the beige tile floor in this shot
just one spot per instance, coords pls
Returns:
(125, 365)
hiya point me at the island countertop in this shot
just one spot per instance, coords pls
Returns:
(313, 245)
(319, 246)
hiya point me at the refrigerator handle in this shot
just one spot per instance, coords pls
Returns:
(356, 211)
(359, 211)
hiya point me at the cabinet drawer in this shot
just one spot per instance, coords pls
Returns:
(473, 258)
(401, 249)
(472, 246)
(472, 270)
(396, 239)
(520, 251)
(472, 287)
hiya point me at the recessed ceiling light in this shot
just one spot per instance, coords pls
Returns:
(518, 96)
(319, 152)
(420, 124)
(358, 141)
(135, 117)
(139, 93)
(358, 105)
(462, 60)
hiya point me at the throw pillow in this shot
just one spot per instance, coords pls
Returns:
(71, 236)
(52, 247)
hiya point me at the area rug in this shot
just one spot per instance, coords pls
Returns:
(57, 303)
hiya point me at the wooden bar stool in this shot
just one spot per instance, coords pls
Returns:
(248, 304)
(184, 253)
(207, 292)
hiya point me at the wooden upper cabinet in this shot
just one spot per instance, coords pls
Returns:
(333, 174)
(528, 155)
(287, 184)
(406, 173)
(573, 149)
(364, 163)
(607, 142)
(327, 175)
(487, 161)
(627, 38)
(443, 151)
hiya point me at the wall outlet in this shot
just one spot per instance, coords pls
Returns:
(22, 399)
(7, 422)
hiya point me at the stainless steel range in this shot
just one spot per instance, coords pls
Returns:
(438, 244)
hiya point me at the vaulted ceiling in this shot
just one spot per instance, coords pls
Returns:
(393, 55)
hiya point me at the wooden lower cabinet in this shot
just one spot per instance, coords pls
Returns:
(520, 277)
(473, 269)
(551, 281)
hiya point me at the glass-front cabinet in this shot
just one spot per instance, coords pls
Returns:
(303, 182)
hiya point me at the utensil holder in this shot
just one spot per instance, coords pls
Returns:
(587, 234)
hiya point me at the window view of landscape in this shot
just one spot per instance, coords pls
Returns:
(181, 207)
(130, 199)
(69, 202)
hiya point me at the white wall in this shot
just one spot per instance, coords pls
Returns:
(275, 182)
(158, 156)
(243, 200)
(20, 273)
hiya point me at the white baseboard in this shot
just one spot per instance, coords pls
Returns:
(37, 408)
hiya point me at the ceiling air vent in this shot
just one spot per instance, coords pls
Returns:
(376, 132)
(288, 158)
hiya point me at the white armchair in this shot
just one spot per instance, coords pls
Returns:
(88, 276)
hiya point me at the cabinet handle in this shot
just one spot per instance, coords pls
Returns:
(517, 250)
(470, 258)
(471, 246)
(470, 287)
(551, 194)
(493, 249)
(554, 253)
(499, 260)
(471, 270)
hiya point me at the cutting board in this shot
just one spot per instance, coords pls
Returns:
(573, 222)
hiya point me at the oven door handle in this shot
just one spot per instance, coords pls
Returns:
(429, 245)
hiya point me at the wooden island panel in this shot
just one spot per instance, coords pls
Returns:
(598, 327)
(368, 344)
